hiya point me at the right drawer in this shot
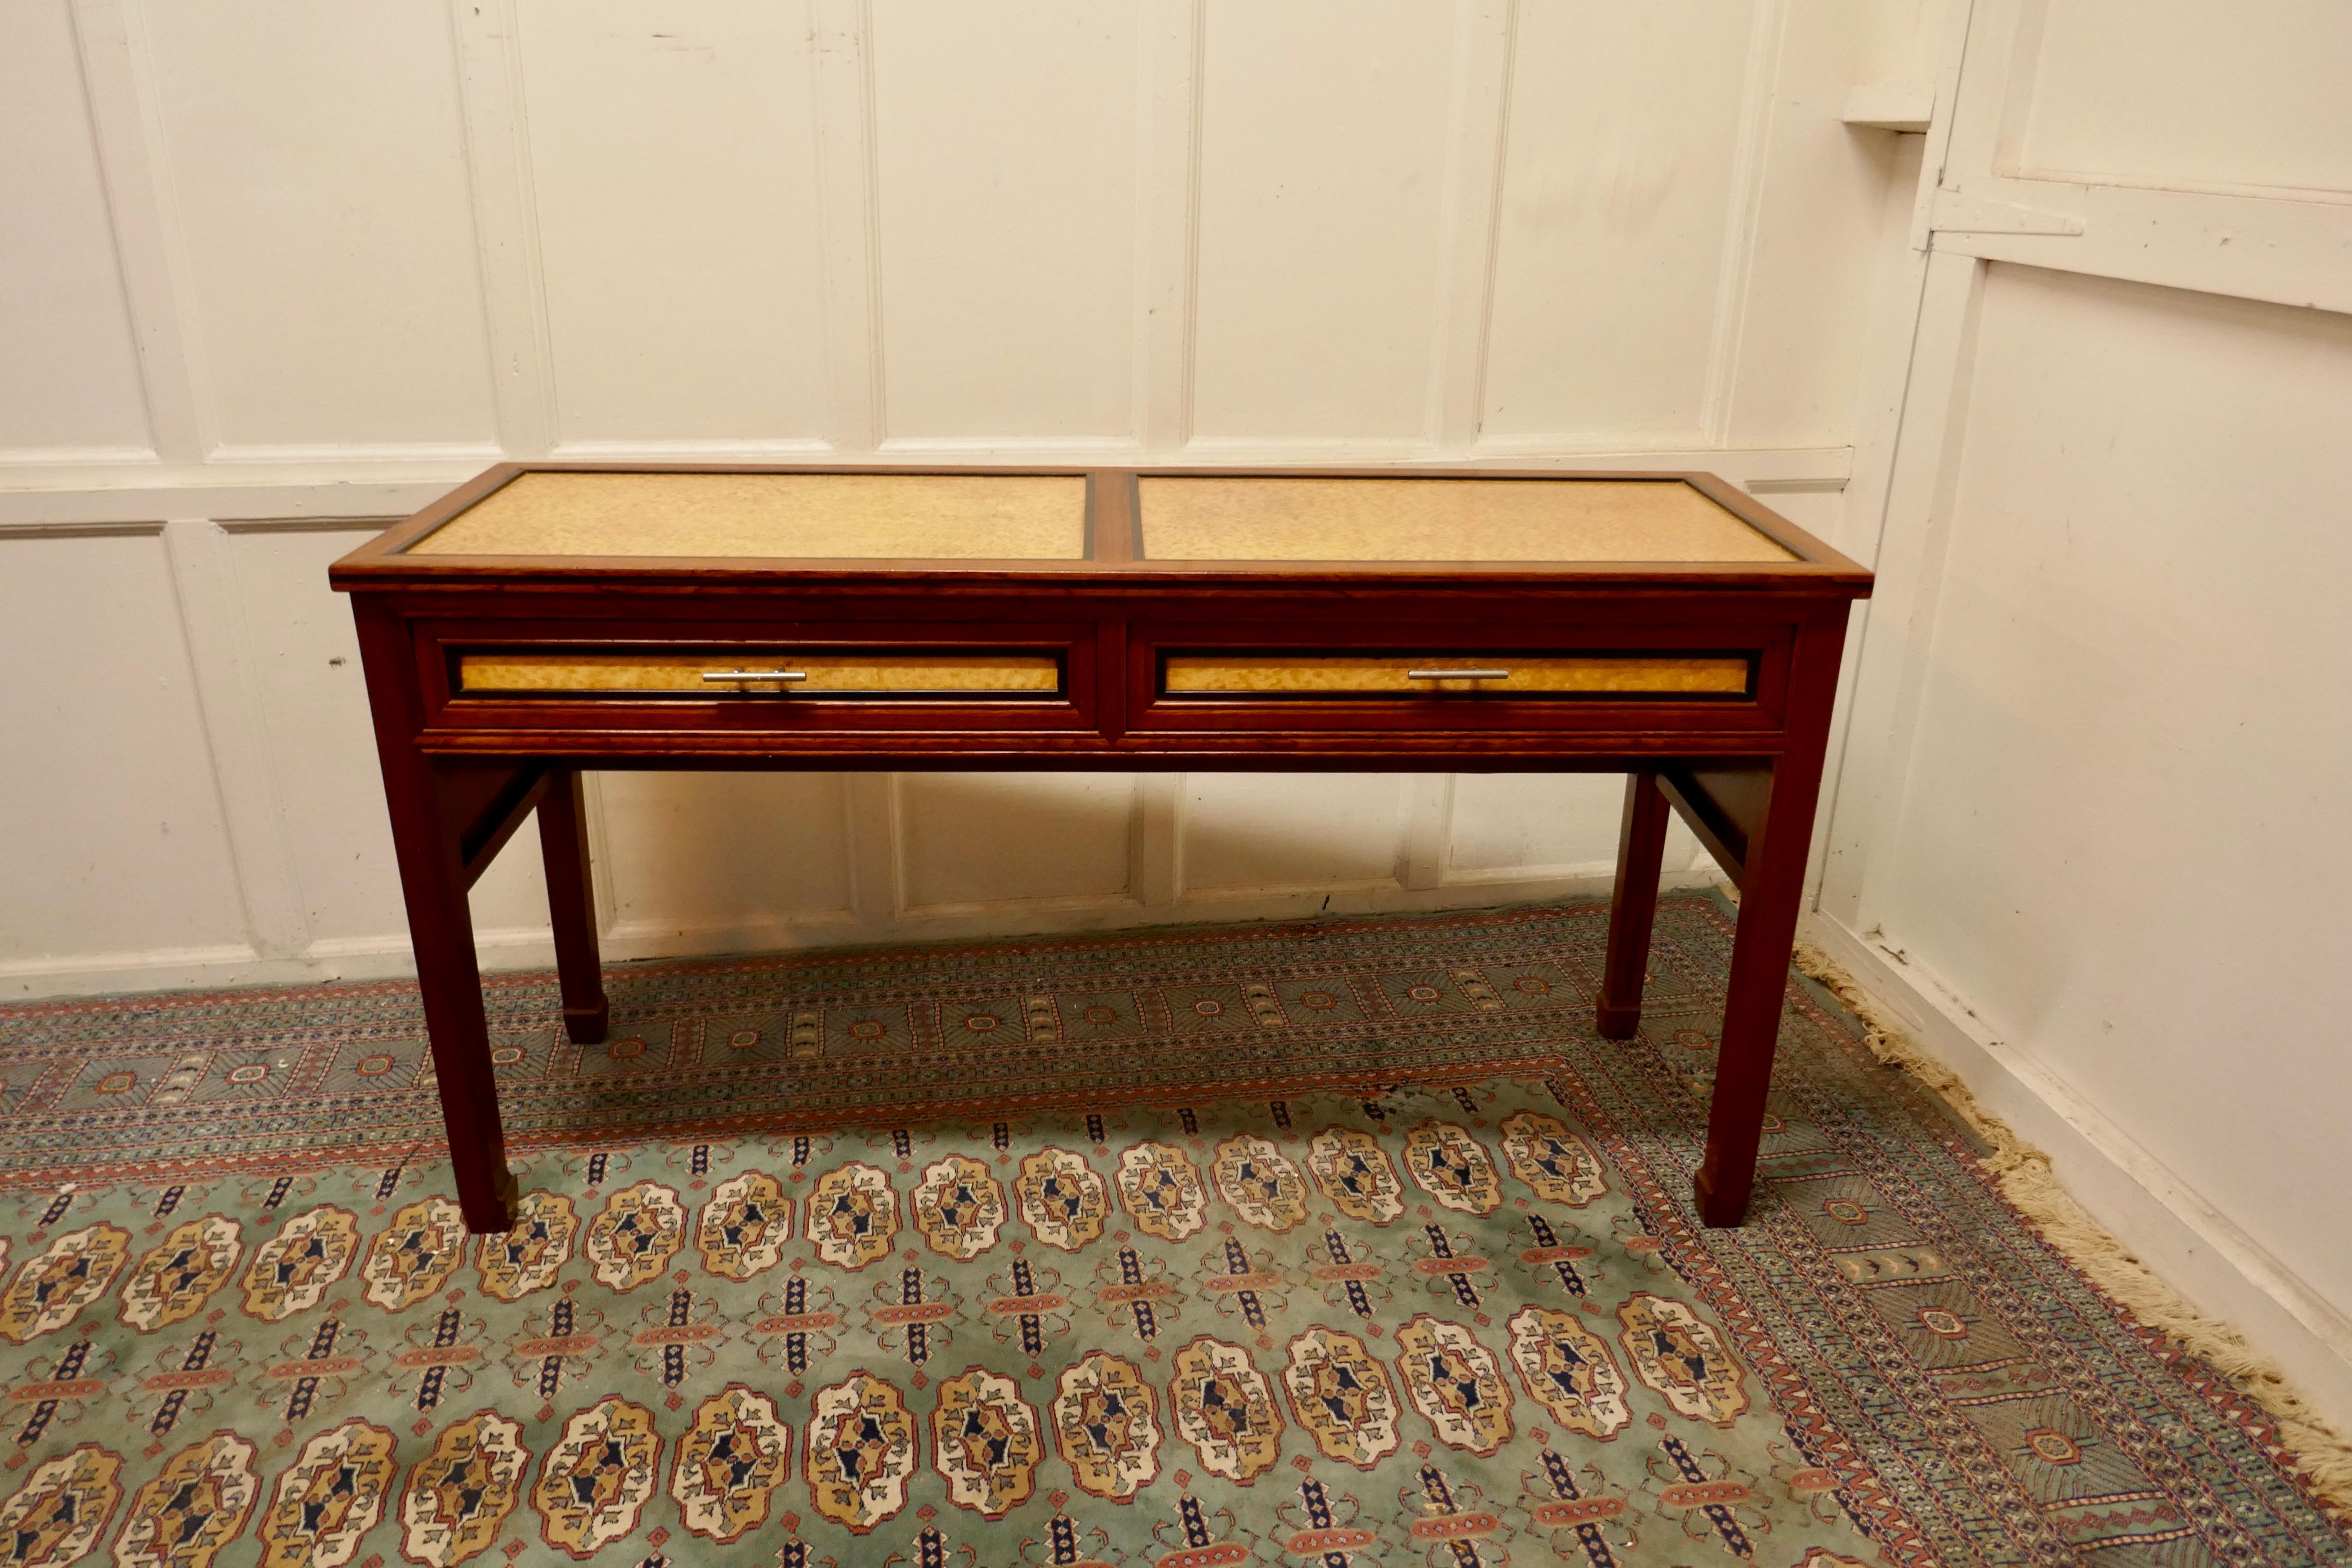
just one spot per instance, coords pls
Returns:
(1626, 677)
(1444, 673)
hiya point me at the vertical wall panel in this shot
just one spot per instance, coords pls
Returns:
(2124, 837)
(112, 840)
(2184, 93)
(1006, 152)
(1505, 820)
(1324, 147)
(1822, 199)
(69, 370)
(1515, 825)
(672, 149)
(1617, 185)
(1242, 831)
(302, 659)
(315, 170)
(693, 852)
(969, 838)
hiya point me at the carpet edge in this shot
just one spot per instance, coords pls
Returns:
(2320, 1451)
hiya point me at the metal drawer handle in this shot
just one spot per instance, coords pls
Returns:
(1457, 675)
(755, 674)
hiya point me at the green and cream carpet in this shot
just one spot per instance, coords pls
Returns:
(1344, 1244)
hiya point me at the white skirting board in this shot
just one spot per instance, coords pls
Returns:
(2182, 1238)
(387, 956)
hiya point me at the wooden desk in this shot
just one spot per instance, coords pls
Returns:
(548, 618)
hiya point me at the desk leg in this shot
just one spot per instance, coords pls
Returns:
(1633, 908)
(572, 902)
(441, 930)
(1769, 902)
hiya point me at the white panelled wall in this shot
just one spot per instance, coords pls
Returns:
(272, 273)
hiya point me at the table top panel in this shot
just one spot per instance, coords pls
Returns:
(1272, 519)
(841, 517)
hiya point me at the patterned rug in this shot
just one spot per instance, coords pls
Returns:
(1341, 1245)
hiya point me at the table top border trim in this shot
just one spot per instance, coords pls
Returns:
(1113, 558)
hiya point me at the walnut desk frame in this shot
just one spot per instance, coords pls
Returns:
(547, 618)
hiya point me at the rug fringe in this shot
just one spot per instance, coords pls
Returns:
(2317, 1448)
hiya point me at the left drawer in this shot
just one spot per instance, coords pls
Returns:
(600, 685)
(759, 672)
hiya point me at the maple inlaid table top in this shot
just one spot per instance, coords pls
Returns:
(1160, 522)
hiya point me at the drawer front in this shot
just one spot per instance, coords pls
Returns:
(1490, 674)
(1560, 669)
(598, 682)
(868, 674)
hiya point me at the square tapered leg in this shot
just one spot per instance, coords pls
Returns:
(1632, 908)
(572, 906)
